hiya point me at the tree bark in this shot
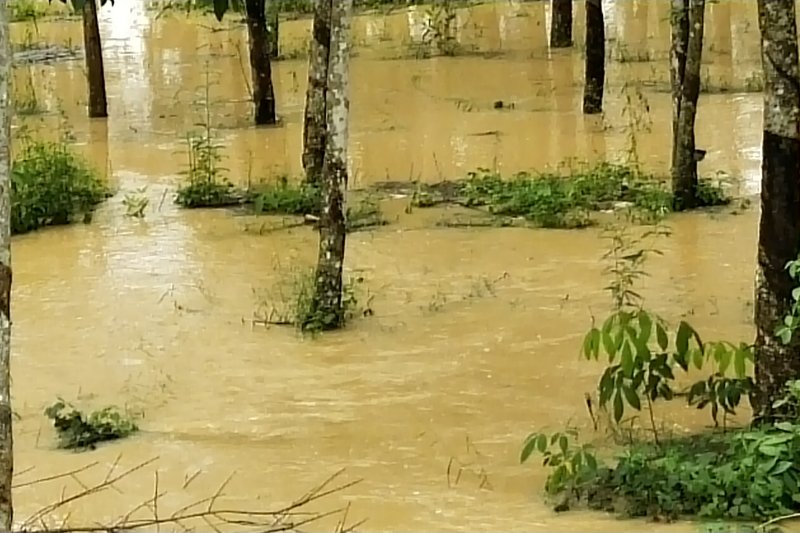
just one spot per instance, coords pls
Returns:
(263, 92)
(6, 436)
(328, 312)
(595, 72)
(686, 54)
(98, 105)
(561, 27)
(273, 29)
(779, 229)
(315, 113)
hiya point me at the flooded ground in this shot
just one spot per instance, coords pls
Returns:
(475, 338)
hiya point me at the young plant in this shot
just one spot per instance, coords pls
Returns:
(135, 203)
(791, 321)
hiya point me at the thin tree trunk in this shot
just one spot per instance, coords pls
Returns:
(688, 23)
(779, 230)
(273, 29)
(314, 119)
(6, 437)
(263, 93)
(328, 312)
(595, 72)
(561, 27)
(98, 106)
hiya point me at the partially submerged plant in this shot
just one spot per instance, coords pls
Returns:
(80, 431)
(136, 202)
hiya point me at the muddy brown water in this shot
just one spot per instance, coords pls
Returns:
(152, 313)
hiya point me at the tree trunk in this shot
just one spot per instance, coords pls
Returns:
(561, 27)
(6, 437)
(327, 308)
(273, 29)
(595, 72)
(263, 93)
(98, 107)
(779, 230)
(314, 119)
(686, 53)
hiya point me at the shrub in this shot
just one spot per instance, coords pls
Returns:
(77, 430)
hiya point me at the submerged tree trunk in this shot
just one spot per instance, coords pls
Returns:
(273, 29)
(595, 72)
(686, 54)
(95, 72)
(327, 308)
(314, 119)
(779, 230)
(561, 27)
(6, 438)
(263, 93)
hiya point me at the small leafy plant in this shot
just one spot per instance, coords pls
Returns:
(78, 431)
(135, 203)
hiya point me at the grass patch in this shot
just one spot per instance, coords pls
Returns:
(285, 198)
(563, 199)
(290, 301)
(51, 185)
(80, 431)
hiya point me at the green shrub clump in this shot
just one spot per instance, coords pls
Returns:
(51, 185)
(79, 431)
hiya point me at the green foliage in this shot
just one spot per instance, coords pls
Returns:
(79, 431)
(135, 203)
(27, 10)
(573, 466)
(206, 184)
(283, 197)
(51, 185)
(791, 321)
(291, 302)
(566, 199)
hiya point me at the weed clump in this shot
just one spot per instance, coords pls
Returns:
(291, 302)
(567, 199)
(79, 431)
(51, 185)
(283, 197)
(206, 184)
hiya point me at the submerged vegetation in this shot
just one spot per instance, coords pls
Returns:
(740, 474)
(51, 185)
(80, 431)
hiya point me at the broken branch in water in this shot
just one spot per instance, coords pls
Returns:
(287, 518)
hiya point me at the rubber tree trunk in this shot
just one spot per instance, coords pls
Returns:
(686, 51)
(595, 72)
(327, 308)
(6, 438)
(263, 92)
(273, 29)
(779, 229)
(314, 119)
(98, 106)
(561, 27)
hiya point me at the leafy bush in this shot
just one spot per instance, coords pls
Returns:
(51, 185)
(76, 430)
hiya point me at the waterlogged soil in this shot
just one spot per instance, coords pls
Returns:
(475, 337)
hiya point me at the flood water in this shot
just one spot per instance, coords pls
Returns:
(153, 313)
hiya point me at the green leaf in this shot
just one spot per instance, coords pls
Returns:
(632, 397)
(220, 7)
(627, 360)
(682, 337)
(661, 336)
(739, 364)
(77, 5)
(645, 328)
(528, 448)
(782, 467)
(608, 345)
(619, 408)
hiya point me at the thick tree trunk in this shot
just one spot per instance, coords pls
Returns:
(314, 120)
(273, 29)
(98, 107)
(6, 438)
(561, 27)
(686, 53)
(263, 93)
(328, 312)
(595, 72)
(779, 230)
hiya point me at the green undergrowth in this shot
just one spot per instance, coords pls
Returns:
(81, 431)
(51, 185)
(290, 301)
(564, 199)
(740, 474)
(32, 10)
